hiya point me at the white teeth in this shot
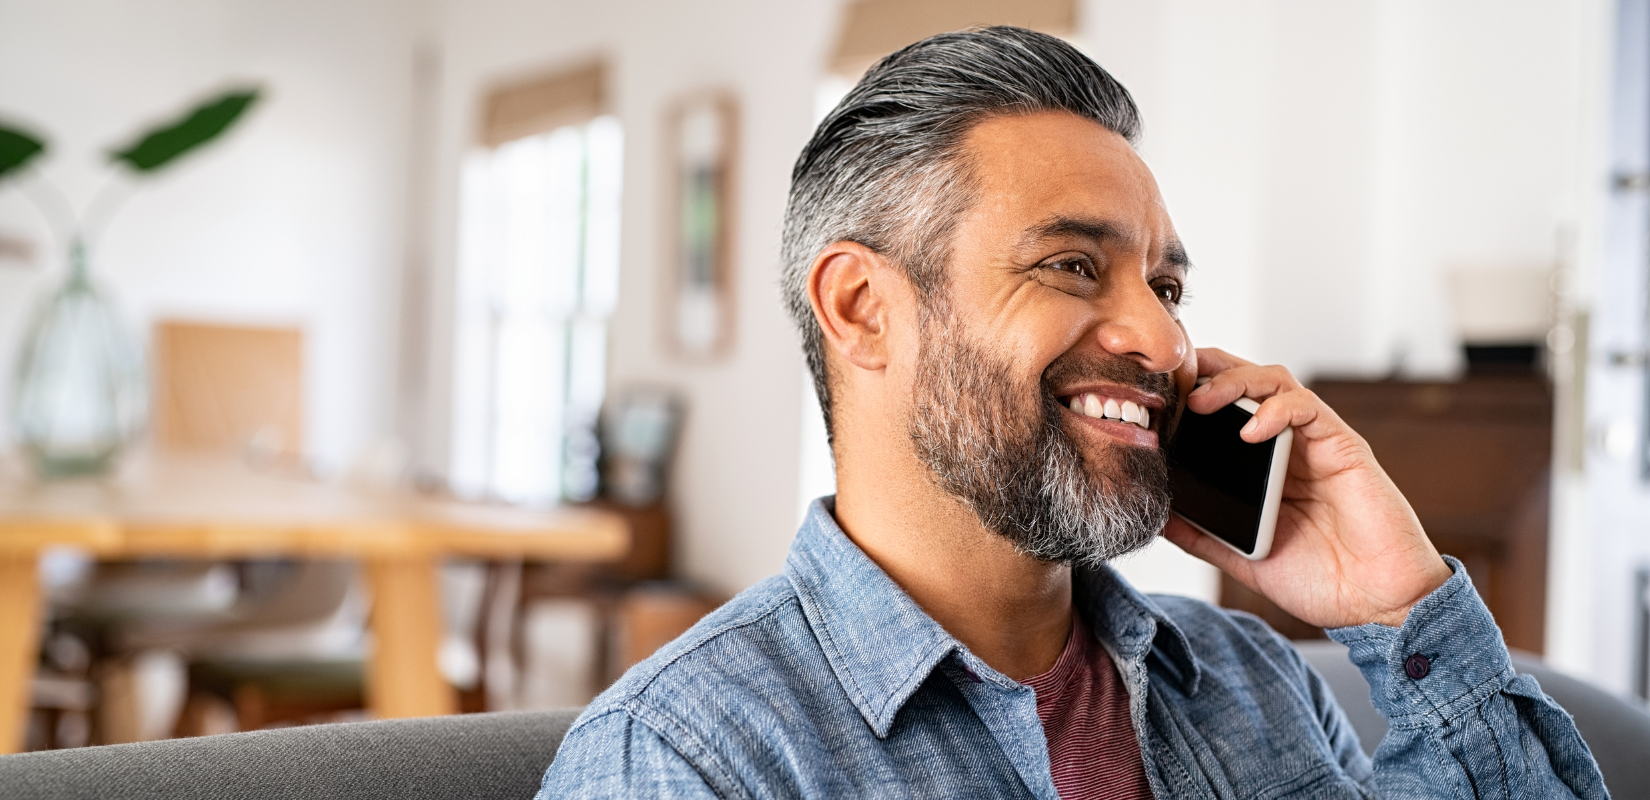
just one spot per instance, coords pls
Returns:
(1093, 405)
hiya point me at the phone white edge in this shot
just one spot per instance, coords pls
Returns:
(1279, 469)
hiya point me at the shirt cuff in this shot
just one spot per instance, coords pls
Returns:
(1447, 659)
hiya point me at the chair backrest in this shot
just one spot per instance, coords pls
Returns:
(481, 756)
(225, 389)
(1617, 731)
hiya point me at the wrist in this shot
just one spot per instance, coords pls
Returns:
(1436, 577)
(1395, 618)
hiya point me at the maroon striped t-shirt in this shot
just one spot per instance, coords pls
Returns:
(1085, 712)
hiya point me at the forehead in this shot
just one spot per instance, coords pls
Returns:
(1032, 168)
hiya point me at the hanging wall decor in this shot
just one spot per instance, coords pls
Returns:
(700, 138)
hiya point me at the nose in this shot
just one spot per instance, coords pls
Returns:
(1136, 325)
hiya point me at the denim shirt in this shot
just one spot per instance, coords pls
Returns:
(829, 681)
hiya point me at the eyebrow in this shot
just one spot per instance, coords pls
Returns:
(1174, 254)
(1099, 230)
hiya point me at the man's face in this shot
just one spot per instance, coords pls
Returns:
(1060, 316)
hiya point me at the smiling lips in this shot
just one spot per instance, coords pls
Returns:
(1101, 407)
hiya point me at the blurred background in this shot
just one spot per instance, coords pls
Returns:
(523, 253)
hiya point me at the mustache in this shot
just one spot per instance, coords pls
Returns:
(1078, 367)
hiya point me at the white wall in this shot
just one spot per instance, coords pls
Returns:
(1328, 163)
(292, 219)
(1605, 509)
(735, 484)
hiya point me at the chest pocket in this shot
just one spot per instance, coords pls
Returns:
(1243, 755)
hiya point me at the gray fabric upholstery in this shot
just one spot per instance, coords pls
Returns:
(481, 756)
(486, 756)
(1617, 731)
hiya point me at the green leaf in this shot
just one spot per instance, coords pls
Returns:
(164, 144)
(17, 149)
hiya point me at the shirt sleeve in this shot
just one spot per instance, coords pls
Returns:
(615, 756)
(1461, 722)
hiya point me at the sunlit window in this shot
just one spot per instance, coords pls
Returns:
(537, 279)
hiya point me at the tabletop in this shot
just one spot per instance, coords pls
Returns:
(196, 507)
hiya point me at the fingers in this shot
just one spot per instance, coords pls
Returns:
(1298, 408)
(1211, 360)
(1284, 403)
(1241, 380)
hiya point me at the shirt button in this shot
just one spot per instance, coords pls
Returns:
(1417, 666)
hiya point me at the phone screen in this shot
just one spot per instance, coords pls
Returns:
(1217, 480)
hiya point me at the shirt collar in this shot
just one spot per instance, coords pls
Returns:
(879, 642)
(882, 646)
(1132, 626)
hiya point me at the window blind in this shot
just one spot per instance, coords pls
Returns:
(872, 29)
(539, 105)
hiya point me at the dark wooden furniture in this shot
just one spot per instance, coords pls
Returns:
(1472, 457)
(639, 606)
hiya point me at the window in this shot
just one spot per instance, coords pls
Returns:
(537, 279)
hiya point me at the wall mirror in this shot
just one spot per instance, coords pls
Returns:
(701, 143)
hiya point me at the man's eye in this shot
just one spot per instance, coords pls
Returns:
(1076, 266)
(1168, 292)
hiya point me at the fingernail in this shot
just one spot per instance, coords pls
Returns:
(1201, 389)
(1254, 422)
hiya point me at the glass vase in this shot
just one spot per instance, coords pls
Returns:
(81, 391)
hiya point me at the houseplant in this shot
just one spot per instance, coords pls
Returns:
(80, 390)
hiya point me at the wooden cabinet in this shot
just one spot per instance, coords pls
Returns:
(1472, 457)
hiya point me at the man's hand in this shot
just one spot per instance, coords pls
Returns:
(1348, 548)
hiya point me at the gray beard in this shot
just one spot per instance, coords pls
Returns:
(1019, 470)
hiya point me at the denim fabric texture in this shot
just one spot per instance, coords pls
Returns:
(829, 681)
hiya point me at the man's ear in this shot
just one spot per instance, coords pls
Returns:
(847, 287)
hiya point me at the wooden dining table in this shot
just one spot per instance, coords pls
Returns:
(201, 508)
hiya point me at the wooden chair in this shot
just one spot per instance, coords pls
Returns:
(226, 389)
(237, 392)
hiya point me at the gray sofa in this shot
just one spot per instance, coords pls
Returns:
(480, 756)
(487, 756)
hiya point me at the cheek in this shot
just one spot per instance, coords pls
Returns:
(1040, 338)
(903, 336)
(904, 354)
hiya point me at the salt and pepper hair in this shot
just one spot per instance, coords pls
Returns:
(886, 170)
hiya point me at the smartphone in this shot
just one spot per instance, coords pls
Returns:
(1225, 487)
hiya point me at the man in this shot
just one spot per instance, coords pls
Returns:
(981, 266)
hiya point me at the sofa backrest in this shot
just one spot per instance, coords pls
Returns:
(480, 756)
(504, 755)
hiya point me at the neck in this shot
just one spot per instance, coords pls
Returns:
(1012, 611)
